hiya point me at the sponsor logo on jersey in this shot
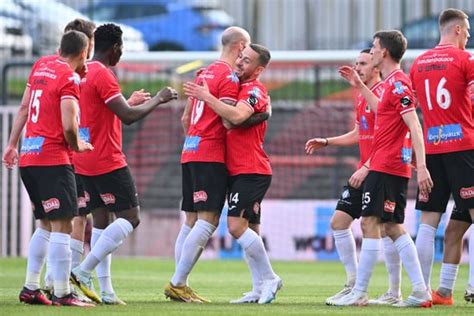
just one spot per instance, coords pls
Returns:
(108, 198)
(32, 145)
(84, 134)
(399, 87)
(389, 206)
(423, 197)
(345, 194)
(444, 133)
(363, 124)
(406, 155)
(200, 196)
(191, 143)
(51, 204)
(405, 101)
(466, 193)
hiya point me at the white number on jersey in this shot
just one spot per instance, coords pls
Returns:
(35, 105)
(234, 198)
(198, 109)
(443, 97)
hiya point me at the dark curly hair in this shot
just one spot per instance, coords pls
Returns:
(106, 36)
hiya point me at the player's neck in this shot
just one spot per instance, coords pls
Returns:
(388, 67)
(373, 82)
(229, 57)
(72, 62)
(448, 40)
(102, 58)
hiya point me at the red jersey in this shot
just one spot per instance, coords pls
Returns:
(391, 152)
(99, 125)
(44, 143)
(244, 146)
(40, 62)
(365, 119)
(441, 79)
(205, 140)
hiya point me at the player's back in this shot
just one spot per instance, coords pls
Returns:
(99, 124)
(441, 77)
(44, 143)
(205, 139)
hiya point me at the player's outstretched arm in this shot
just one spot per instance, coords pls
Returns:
(10, 154)
(236, 115)
(128, 114)
(348, 139)
(351, 76)
(139, 97)
(69, 113)
(424, 178)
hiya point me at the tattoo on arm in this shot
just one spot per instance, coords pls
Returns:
(255, 119)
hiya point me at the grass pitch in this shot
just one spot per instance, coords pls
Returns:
(140, 283)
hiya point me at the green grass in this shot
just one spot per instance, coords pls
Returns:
(294, 90)
(140, 283)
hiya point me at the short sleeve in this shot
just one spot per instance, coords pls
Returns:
(469, 68)
(69, 87)
(402, 97)
(229, 86)
(107, 86)
(254, 97)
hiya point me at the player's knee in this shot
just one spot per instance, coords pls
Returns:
(451, 238)
(236, 229)
(337, 224)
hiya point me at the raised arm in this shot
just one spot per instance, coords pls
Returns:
(130, 114)
(351, 76)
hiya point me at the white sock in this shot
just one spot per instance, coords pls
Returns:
(110, 239)
(393, 265)
(60, 258)
(77, 249)
(178, 246)
(256, 280)
(191, 250)
(103, 270)
(407, 251)
(471, 259)
(425, 240)
(368, 257)
(346, 249)
(448, 275)
(48, 275)
(37, 252)
(252, 244)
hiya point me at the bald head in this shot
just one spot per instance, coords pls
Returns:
(234, 35)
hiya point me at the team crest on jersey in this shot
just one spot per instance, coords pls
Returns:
(233, 77)
(399, 87)
(75, 78)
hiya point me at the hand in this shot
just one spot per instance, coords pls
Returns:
(83, 146)
(358, 177)
(83, 71)
(425, 184)
(315, 143)
(194, 90)
(167, 94)
(10, 157)
(351, 76)
(139, 97)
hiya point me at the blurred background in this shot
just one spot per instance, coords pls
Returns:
(165, 42)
